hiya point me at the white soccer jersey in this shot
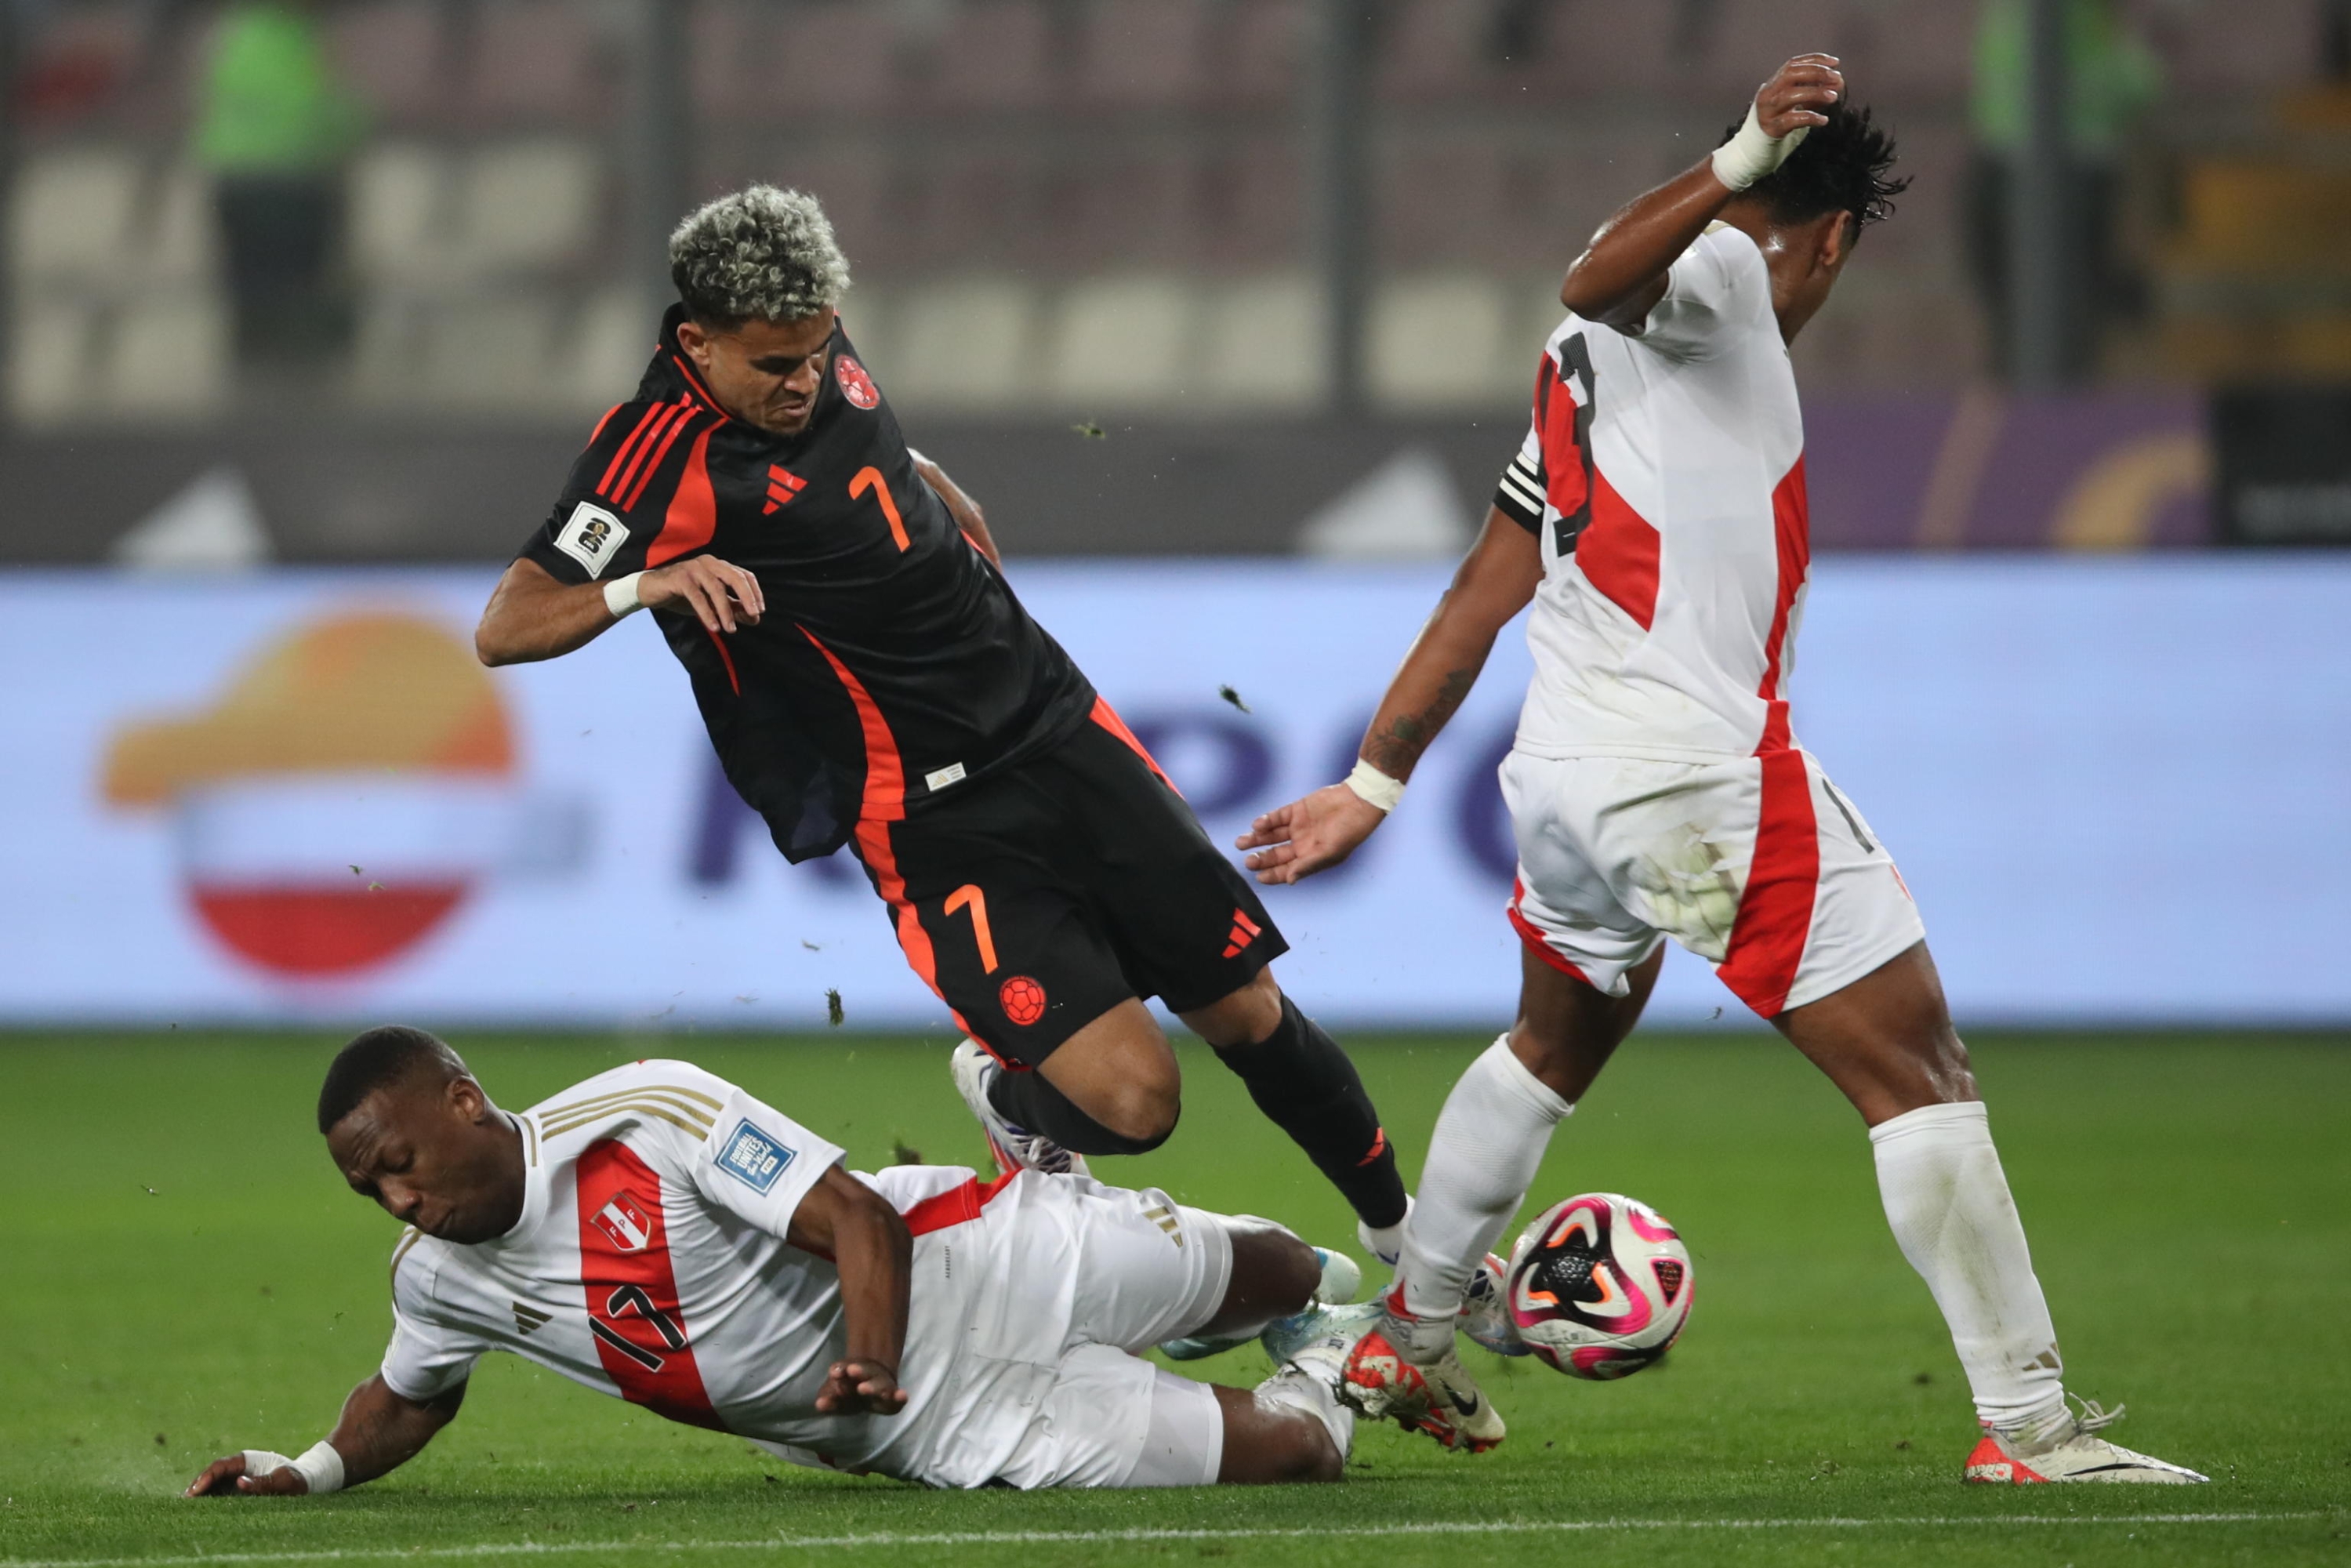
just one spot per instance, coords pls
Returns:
(1663, 475)
(650, 1263)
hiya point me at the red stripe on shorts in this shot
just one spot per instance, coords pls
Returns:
(1775, 913)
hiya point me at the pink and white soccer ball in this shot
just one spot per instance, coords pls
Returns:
(1599, 1286)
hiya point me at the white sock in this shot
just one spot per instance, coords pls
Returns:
(1298, 1388)
(1490, 1141)
(1946, 1200)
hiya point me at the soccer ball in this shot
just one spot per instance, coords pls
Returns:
(1599, 1286)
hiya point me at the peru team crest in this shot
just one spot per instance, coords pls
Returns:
(623, 1222)
(855, 384)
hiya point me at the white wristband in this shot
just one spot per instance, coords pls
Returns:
(621, 596)
(1374, 788)
(1750, 155)
(321, 1468)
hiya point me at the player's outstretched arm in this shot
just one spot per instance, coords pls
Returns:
(532, 616)
(1621, 274)
(380, 1431)
(844, 1219)
(1494, 583)
(966, 511)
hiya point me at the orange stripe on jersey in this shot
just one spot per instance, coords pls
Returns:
(1107, 717)
(692, 515)
(693, 383)
(598, 434)
(885, 802)
(650, 417)
(734, 679)
(654, 467)
(632, 1288)
(671, 413)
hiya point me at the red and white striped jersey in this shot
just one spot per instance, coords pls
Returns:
(1663, 475)
(650, 1263)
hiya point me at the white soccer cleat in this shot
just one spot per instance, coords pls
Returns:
(1486, 1313)
(1348, 1348)
(1014, 1148)
(1459, 1415)
(2074, 1453)
(1386, 1243)
(1341, 1278)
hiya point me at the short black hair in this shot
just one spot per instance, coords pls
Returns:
(379, 1056)
(1842, 166)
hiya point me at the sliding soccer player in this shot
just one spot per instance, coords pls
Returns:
(657, 1234)
(867, 678)
(1656, 517)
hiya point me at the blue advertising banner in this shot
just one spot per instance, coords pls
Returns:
(2120, 789)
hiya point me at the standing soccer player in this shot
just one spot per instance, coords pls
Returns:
(1656, 516)
(867, 678)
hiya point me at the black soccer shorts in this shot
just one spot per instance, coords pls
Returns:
(1052, 891)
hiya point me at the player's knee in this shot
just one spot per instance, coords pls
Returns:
(1142, 1112)
(1308, 1454)
(1273, 1272)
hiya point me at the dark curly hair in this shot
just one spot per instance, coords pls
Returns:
(380, 1057)
(1842, 166)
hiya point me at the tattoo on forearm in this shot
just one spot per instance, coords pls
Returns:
(1396, 750)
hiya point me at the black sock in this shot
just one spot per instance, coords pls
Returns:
(1306, 1086)
(1029, 1102)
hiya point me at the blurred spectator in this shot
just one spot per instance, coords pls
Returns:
(277, 128)
(2111, 78)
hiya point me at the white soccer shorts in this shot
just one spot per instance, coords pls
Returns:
(1145, 1270)
(1757, 864)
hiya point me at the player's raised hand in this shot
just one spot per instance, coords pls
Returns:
(1799, 95)
(226, 1478)
(718, 594)
(861, 1388)
(1309, 835)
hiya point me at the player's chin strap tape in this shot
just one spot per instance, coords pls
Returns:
(1374, 786)
(322, 1467)
(1750, 155)
(621, 596)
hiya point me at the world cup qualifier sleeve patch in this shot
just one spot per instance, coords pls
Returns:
(592, 538)
(753, 1158)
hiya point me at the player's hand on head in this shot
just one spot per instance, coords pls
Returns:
(718, 594)
(226, 1478)
(1309, 835)
(861, 1388)
(1799, 95)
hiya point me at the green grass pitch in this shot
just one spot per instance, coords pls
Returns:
(186, 1276)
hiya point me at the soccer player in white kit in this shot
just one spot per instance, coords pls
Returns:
(1656, 517)
(658, 1234)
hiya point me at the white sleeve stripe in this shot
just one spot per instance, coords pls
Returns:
(1520, 491)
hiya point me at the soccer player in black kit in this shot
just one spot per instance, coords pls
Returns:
(867, 678)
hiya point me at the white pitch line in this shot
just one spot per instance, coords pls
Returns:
(1142, 1533)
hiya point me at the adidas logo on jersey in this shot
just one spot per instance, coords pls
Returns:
(527, 1319)
(1244, 932)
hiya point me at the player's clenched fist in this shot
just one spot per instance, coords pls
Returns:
(1799, 95)
(718, 592)
(1309, 834)
(227, 1478)
(861, 1388)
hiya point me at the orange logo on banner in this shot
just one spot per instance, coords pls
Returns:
(344, 713)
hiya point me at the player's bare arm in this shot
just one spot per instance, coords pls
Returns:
(379, 1432)
(1621, 274)
(964, 510)
(868, 1240)
(1494, 583)
(531, 616)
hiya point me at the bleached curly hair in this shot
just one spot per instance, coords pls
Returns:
(759, 254)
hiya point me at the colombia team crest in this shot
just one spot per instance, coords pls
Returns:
(855, 384)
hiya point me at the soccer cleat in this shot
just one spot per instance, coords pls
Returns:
(1349, 1349)
(1341, 1278)
(1459, 1415)
(1486, 1313)
(2074, 1453)
(1386, 1243)
(1014, 1148)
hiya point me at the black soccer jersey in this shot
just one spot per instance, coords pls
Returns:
(894, 665)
